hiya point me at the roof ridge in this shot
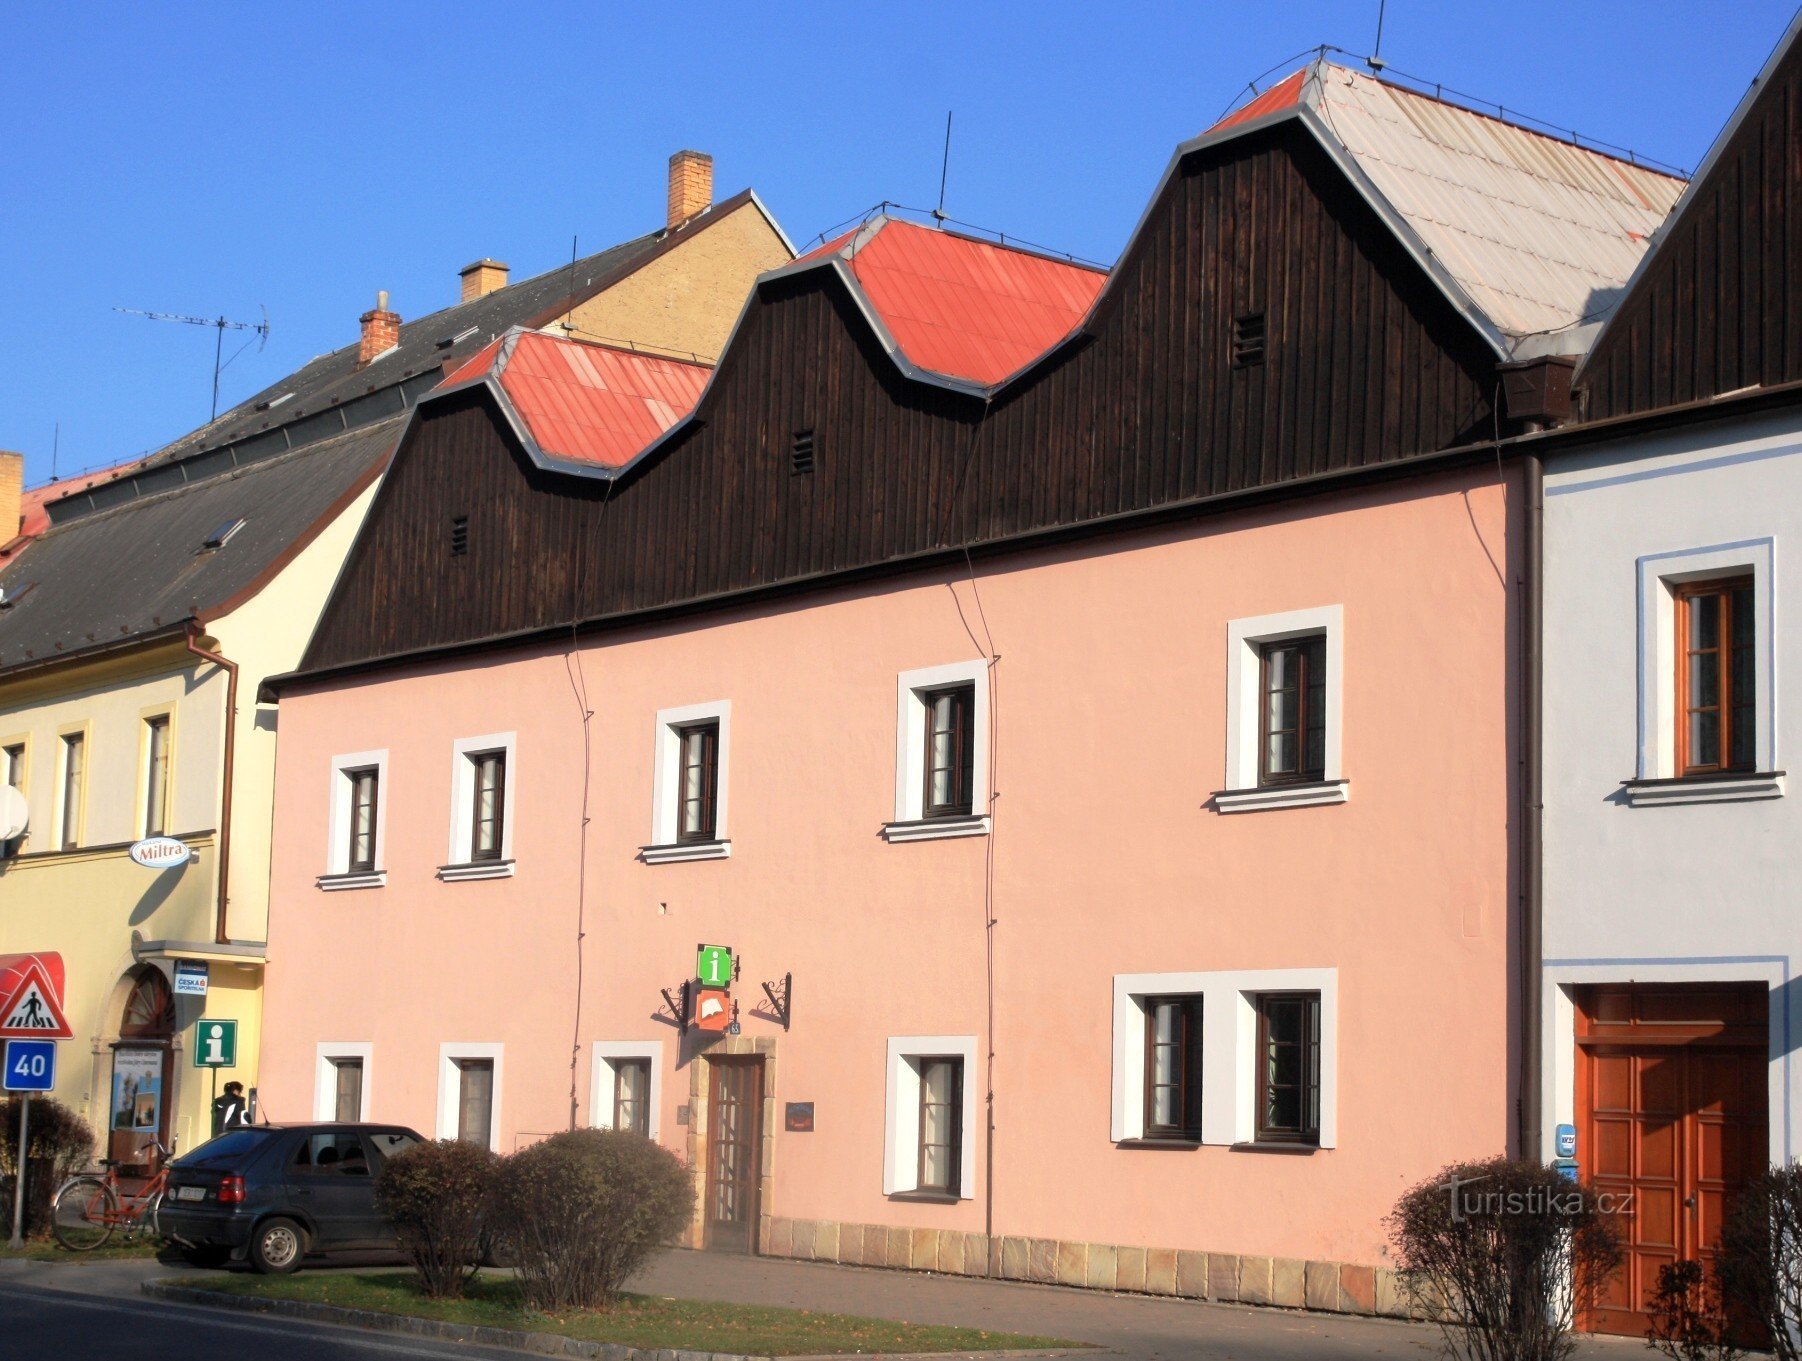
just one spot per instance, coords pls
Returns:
(225, 475)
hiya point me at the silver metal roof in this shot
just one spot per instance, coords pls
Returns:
(1539, 233)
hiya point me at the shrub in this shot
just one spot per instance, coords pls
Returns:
(581, 1211)
(61, 1145)
(1503, 1254)
(1689, 1316)
(1761, 1258)
(436, 1195)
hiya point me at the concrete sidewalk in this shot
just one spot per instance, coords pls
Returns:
(1141, 1328)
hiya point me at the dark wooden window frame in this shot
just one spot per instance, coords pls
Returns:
(954, 1150)
(1307, 1129)
(1683, 597)
(641, 1125)
(1311, 652)
(1188, 1067)
(962, 769)
(707, 815)
(354, 862)
(478, 760)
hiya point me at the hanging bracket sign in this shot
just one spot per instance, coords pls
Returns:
(160, 852)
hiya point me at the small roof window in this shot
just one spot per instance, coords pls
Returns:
(222, 535)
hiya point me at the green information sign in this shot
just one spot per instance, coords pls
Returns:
(215, 1044)
(713, 965)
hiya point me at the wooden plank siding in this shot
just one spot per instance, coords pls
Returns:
(1718, 307)
(1367, 363)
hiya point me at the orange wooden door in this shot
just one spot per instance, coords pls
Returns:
(1672, 1120)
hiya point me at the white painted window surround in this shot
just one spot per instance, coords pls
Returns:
(901, 1127)
(600, 1096)
(337, 845)
(325, 1076)
(1244, 638)
(450, 1087)
(666, 785)
(1229, 1058)
(460, 863)
(911, 687)
(1658, 576)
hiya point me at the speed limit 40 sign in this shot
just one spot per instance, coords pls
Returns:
(30, 1066)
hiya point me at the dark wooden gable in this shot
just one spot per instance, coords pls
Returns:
(1364, 362)
(1718, 307)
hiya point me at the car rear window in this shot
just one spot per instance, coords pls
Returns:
(332, 1153)
(390, 1142)
(234, 1145)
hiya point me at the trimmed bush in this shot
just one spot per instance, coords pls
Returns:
(436, 1195)
(1761, 1259)
(1690, 1320)
(61, 1145)
(1503, 1255)
(580, 1213)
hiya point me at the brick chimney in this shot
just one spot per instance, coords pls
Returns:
(12, 494)
(482, 278)
(690, 184)
(381, 330)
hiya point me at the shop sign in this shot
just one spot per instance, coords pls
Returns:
(160, 852)
(190, 977)
(713, 1010)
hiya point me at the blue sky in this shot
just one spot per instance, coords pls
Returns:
(210, 158)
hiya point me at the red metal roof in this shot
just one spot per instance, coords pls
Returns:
(34, 513)
(962, 307)
(583, 402)
(1286, 93)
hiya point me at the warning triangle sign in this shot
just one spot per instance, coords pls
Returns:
(32, 1011)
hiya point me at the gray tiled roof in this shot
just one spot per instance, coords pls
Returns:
(113, 575)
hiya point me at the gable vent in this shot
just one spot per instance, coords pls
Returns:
(1248, 340)
(459, 541)
(800, 453)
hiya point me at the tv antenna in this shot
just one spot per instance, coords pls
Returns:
(1375, 60)
(938, 213)
(221, 325)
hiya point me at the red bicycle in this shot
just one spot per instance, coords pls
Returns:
(89, 1208)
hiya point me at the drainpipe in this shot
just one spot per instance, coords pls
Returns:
(220, 935)
(1532, 854)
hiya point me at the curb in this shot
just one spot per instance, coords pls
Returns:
(542, 1344)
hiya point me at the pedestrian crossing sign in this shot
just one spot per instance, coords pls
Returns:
(32, 1012)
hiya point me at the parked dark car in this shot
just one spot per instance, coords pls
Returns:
(272, 1195)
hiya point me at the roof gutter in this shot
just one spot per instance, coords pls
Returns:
(220, 935)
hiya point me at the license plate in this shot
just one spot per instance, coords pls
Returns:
(190, 1193)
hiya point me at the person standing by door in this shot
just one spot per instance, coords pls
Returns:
(230, 1111)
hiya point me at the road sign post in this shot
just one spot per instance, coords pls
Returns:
(29, 1066)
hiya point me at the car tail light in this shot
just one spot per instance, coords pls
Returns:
(231, 1191)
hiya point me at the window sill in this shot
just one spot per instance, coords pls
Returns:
(476, 869)
(1732, 787)
(333, 883)
(1275, 1146)
(1159, 1143)
(925, 1197)
(685, 850)
(934, 829)
(1281, 796)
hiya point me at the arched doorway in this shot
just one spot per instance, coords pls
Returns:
(143, 1072)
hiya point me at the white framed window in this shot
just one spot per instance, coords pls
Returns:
(481, 815)
(1231, 1061)
(627, 1088)
(469, 1093)
(941, 753)
(341, 1079)
(691, 784)
(155, 782)
(930, 1129)
(356, 826)
(1285, 690)
(1665, 581)
(72, 787)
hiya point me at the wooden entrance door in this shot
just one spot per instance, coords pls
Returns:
(1671, 1111)
(734, 1152)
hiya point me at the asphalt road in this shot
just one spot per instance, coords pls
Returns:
(68, 1326)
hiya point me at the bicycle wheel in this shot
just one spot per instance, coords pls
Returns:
(83, 1214)
(146, 1222)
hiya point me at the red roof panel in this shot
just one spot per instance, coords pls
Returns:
(1285, 94)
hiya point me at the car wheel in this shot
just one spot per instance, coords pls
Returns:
(277, 1247)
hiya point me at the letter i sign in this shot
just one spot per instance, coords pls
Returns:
(215, 1044)
(713, 965)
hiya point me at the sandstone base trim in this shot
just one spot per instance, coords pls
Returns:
(1230, 1278)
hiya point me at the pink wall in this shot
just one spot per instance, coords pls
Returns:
(1110, 708)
